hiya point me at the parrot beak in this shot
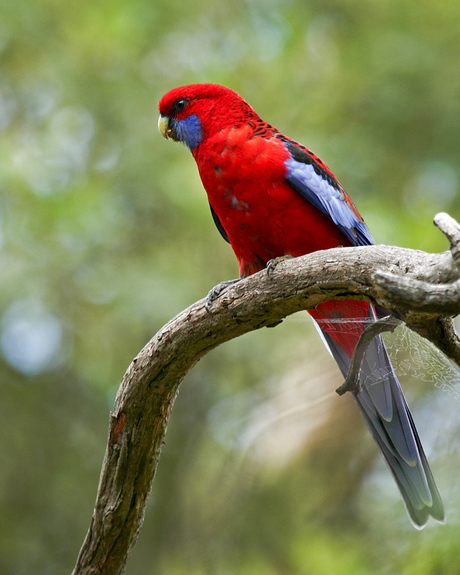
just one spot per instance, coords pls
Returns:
(163, 126)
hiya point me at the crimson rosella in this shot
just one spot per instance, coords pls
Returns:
(272, 197)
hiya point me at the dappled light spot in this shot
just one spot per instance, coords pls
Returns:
(31, 337)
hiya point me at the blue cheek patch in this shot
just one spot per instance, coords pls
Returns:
(189, 131)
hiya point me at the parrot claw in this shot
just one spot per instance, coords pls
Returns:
(217, 291)
(271, 264)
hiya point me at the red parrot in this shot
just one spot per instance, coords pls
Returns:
(271, 197)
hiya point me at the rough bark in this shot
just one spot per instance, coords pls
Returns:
(419, 288)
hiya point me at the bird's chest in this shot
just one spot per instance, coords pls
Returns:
(245, 182)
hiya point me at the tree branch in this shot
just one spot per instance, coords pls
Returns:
(380, 326)
(150, 385)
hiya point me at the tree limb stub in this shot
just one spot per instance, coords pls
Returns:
(150, 385)
(380, 326)
(451, 229)
(411, 294)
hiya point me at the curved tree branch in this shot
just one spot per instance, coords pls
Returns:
(150, 385)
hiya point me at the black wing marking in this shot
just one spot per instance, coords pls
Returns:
(219, 226)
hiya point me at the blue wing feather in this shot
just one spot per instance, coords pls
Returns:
(317, 186)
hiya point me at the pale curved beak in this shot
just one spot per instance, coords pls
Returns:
(163, 126)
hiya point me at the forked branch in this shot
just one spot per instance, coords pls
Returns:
(149, 387)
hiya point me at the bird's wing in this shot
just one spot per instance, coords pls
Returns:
(316, 184)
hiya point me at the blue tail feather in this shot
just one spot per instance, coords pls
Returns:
(386, 413)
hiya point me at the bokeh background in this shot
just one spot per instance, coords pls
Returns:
(106, 234)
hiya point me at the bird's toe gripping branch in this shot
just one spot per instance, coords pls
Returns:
(271, 265)
(217, 291)
(351, 383)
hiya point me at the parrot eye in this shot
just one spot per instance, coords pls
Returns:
(180, 105)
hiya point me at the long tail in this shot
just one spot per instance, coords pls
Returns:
(383, 406)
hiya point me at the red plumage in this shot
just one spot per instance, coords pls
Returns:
(271, 197)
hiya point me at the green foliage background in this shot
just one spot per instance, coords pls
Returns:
(106, 234)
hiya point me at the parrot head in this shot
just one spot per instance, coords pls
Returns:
(189, 114)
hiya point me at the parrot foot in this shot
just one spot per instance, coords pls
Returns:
(351, 383)
(217, 291)
(271, 264)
